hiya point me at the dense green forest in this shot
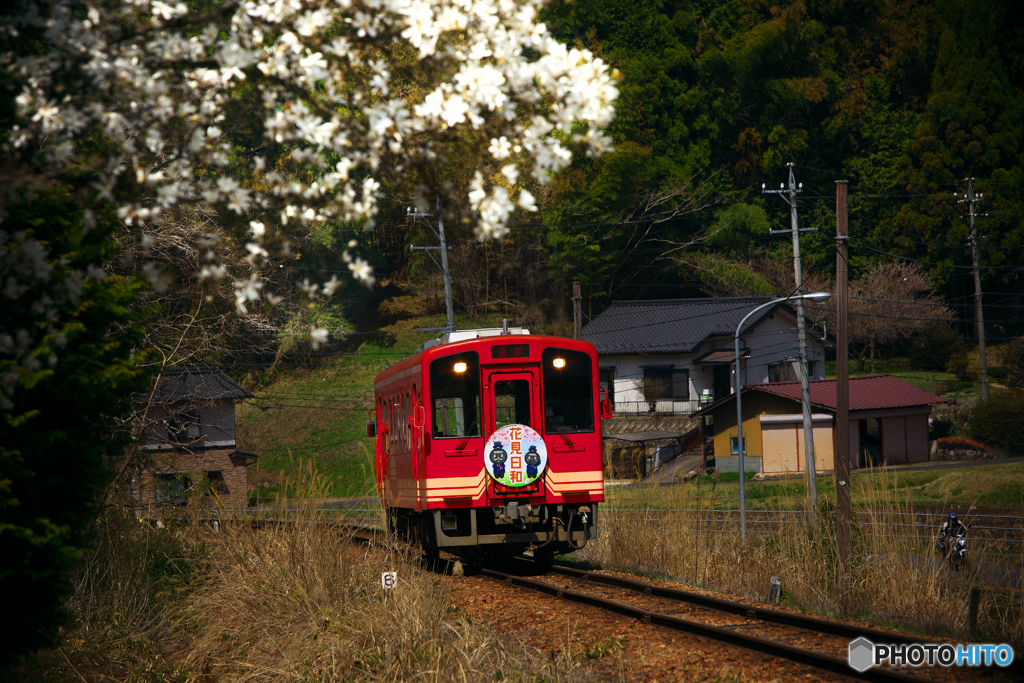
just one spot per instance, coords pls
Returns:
(905, 100)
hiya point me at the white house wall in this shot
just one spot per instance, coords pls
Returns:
(773, 341)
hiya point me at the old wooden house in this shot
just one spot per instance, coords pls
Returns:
(188, 442)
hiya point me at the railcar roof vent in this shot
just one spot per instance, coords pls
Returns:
(463, 335)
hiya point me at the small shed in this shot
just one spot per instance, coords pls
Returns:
(888, 425)
(189, 441)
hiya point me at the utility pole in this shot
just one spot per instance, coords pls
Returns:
(841, 448)
(972, 201)
(577, 311)
(444, 260)
(801, 325)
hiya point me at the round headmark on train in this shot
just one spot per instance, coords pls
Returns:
(515, 455)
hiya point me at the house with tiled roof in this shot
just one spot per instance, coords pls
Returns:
(188, 442)
(672, 356)
(888, 425)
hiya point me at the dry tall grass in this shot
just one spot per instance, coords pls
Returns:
(302, 601)
(896, 577)
(287, 597)
(295, 597)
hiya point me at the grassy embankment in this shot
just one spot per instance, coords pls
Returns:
(998, 485)
(934, 381)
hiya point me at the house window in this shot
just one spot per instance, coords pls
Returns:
(171, 488)
(183, 426)
(734, 448)
(215, 483)
(666, 383)
(810, 369)
(781, 372)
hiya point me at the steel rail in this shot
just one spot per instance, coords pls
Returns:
(772, 648)
(771, 616)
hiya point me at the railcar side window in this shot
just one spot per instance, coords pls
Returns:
(397, 400)
(408, 428)
(568, 391)
(393, 407)
(455, 395)
(396, 406)
(391, 424)
(405, 422)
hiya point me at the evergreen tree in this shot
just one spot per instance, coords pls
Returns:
(59, 422)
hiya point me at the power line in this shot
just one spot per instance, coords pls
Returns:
(933, 263)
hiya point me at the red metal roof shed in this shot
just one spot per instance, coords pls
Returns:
(870, 392)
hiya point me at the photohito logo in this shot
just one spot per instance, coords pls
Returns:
(864, 654)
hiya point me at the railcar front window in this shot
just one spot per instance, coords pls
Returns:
(568, 391)
(511, 402)
(455, 395)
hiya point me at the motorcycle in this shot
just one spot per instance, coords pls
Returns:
(956, 552)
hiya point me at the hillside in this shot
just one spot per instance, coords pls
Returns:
(313, 419)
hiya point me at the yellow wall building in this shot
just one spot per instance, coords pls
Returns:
(888, 425)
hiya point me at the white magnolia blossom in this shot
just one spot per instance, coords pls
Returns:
(157, 80)
(318, 336)
(526, 201)
(247, 290)
(332, 285)
(511, 173)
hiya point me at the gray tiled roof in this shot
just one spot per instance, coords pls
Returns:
(671, 325)
(198, 384)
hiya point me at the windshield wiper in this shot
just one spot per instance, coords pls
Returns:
(469, 432)
(567, 440)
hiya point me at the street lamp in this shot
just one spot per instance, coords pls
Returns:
(740, 446)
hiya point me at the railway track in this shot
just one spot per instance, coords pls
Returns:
(767, 631)
(771, 632)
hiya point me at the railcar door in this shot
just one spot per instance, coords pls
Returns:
(417, 420)
(378, 447)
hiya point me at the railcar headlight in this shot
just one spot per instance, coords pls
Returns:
(558, 363)
(460, 367)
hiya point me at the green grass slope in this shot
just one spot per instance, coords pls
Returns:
(313, 420)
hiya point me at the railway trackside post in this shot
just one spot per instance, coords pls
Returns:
(972, 613)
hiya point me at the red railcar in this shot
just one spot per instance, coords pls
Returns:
(490, 440)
